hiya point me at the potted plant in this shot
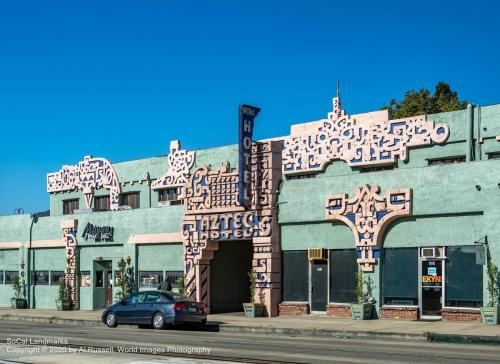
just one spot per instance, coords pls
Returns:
(63, 301)
(252, 309)
(363, 309)
(490, 313)
(17, 301)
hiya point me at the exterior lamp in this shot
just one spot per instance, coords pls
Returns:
(128, 260)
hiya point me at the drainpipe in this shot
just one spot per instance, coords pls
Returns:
(469, 156)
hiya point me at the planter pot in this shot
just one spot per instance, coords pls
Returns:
(490, 315)
(62, 305)
(253, 309)
(361, 311)
(18, 303)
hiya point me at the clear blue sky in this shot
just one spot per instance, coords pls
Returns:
(120, 79)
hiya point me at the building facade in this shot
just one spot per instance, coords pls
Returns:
(413, 203)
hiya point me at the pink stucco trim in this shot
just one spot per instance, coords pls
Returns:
(159, 238)
(58, 243)
(10, 245)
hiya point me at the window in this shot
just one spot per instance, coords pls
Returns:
(448, 160)
(303, 176)
(464, 278)
(400, 276)
(130, 199)
(171, 195)
(99, 278)
(343, 268)
(295, 276)
(1, 276)
(150, 279)
(494, 155)
(85, 280)
(151, 297)
(101, 203)
(56, 277)
(69, 206)
(9, 276)
(376, 169)
(40, 277)
(135, 298)
(173, 277)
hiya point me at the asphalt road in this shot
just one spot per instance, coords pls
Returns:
(87, 344)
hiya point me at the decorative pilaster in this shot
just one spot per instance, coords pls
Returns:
(69, 228)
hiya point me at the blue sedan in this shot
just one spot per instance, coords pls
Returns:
(156, 308)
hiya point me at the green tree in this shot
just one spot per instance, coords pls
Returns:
(423, 102)
(124, 280)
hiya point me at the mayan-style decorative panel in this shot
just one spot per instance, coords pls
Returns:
(89, 175)
(213, 214)
(341, 137)
(368, 214)
(179, 163)
(69, 236)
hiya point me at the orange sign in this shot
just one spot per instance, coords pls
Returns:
(431, 279)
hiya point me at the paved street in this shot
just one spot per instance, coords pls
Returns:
(92, 344)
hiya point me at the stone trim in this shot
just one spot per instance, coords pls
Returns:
(338, 310)
(293, 308)
(158, 238)
(461, 314)
(407, 313)
(58, 243)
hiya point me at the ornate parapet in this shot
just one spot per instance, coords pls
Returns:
(89, 175)
(366, 143)
(179, 163)
(368, 214)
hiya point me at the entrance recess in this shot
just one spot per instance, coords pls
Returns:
(431, 283)
(229, 281)
(319, 285)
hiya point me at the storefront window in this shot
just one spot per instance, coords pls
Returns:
(40, 277)
(173, 277)
(56, 277)
(85, 280)
(464, 278)
(1, 276)
(400, 276)
(151, 279)
(343, 268)
(9, 276)
(295, 276)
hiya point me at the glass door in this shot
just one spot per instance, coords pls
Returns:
(431, 288)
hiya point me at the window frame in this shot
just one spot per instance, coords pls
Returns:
(141, 276)
(34, 277)
(125, 199)
(52, 274)
(68, 206)
(416, 298)
(330, 281)
(99, 199)
(306, 294)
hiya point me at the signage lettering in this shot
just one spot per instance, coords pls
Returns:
(431, 279)
(246, 122)
(98, 232)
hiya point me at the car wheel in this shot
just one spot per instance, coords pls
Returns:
(111, 320)
(158, 321)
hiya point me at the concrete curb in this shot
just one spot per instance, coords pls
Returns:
(340, 334)
(51, 320)
(270, 330)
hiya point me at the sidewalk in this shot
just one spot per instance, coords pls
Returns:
(307, 325)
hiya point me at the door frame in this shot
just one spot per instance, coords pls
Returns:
(443, 285)
(327, 283)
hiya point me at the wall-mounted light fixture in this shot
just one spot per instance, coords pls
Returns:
(128, 260)
(478, 187)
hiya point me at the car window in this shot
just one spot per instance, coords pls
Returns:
(136, 298)
(151, 298)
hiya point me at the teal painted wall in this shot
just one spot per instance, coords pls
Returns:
(9, 261)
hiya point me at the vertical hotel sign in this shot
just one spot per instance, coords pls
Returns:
(246, 121)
